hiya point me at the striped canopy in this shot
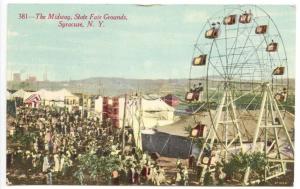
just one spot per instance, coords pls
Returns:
(33, 98)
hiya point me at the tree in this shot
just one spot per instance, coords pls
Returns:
(96, 169)
(238, 164)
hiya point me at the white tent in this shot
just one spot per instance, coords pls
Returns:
(99, 104)
(44, 94)
(59, 95)
(156, 105)
(62, 94)
(146, 114)
(153, 112)
(8, 95)
(28, 94)
(20, 94)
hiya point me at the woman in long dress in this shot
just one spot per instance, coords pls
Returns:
(56, 163)
(46, 164)
(62, 164)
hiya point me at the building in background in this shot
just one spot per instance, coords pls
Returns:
(17, 77)
(31, 79)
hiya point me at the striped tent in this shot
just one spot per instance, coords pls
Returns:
(33, 100)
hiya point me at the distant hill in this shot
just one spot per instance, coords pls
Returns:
(117, 86)
(108, 86)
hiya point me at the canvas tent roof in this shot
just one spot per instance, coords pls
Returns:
(63, 93)
(44, 94)
(151, 96)
(155, 105)
(20, 93)
(28, 94)
(8, 95)
(247, 128)
(59, 95)
(155, 111)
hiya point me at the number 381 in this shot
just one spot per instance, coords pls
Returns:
(23, 16)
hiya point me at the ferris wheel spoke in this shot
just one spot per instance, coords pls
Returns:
(245, 44)
(210, 62)
(250, 64)
(234, 46)
(216, 69)
(219, 55)
(207, 100)
(248, 57)
(197, 47)
(243, 95)
(251, 103)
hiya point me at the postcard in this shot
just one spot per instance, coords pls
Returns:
(150, 94)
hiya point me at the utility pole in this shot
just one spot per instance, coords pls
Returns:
(82, 110)
(123, 124)
(139, 137)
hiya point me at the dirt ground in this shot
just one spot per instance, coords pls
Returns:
(169, 165)
(247, 124)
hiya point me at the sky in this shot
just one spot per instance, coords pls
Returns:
(155, 42)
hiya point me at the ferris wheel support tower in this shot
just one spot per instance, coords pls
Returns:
(267, 124)
(241, 56)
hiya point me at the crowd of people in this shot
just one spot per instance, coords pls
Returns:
(182, 175)
(49, 141)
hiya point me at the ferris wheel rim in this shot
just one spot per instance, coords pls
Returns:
(264, 41)
(264, 37)
(241, 10)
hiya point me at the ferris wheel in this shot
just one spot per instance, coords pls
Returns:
(243, 48)
(239, 70)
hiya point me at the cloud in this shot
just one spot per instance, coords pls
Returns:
(195, 16)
